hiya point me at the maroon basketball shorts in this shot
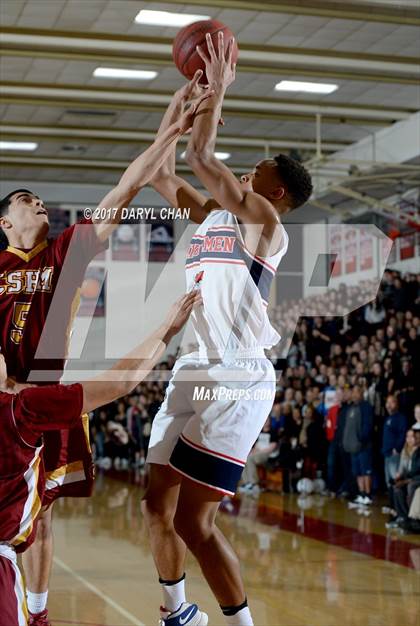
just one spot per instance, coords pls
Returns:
(69, 468)
(13, 611)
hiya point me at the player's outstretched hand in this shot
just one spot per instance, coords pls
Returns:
(187, 118)
(220, 69)
(192, 89)
(180, 311)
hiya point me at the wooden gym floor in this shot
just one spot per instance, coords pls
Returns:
(323, 566)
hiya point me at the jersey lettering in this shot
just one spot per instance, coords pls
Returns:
(26, 281)
(218, 243)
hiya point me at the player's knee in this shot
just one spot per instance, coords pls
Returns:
(193, 531)
(155, 510)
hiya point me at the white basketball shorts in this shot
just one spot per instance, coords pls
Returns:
(211, 416)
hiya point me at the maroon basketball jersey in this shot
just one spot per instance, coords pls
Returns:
(30, 281)
(23, 419)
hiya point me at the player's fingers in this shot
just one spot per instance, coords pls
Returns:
(221, 44)
(210, 47)
(221, 122)
(202, 54)
(197, 301)
(188, 297)
(195, 79)
(229, 50)
(234, 70)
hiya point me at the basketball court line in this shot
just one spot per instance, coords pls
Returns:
(112, 603)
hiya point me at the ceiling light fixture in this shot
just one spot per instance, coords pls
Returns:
(18, 145)
(222, 156)
(116, 72)
(166, 18)
(296, 85)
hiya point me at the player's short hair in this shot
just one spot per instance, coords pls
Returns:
(5, 202)
(4, 207)
(296, 178)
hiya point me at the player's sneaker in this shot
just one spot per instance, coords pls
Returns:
(39, 619)
(187, 615)
(367, 500)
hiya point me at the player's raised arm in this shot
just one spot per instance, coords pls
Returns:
(178, 192)
(144, 167)
(135, 366)
(216, 177)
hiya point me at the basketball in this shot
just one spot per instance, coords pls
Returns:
(184, 51)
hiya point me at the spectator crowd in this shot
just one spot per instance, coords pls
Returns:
(347, 406)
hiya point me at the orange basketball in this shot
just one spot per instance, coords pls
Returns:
(184, 51)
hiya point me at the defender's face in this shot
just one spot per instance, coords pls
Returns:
(263, 179)
(27, 212)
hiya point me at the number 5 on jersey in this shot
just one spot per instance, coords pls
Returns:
(20, 315)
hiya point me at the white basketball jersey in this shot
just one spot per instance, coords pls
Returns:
(235, 286)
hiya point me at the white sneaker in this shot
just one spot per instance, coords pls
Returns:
(367, 501)
(187, 615)
(247, 488)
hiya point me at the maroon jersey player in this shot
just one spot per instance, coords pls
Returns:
(28, 283)
(26, 415)
(32, 268)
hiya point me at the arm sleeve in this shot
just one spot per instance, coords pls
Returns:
(50, 407)
(81, 241)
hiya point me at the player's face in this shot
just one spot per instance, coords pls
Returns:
(264, 179)
(27, 212)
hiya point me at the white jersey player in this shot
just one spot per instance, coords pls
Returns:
(219, 397)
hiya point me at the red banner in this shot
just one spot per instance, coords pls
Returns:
(350, 250)
(407, 247)
(335, 246)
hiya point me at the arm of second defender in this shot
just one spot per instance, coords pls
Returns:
(177, 191)
(135, 366)
(142, 169)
